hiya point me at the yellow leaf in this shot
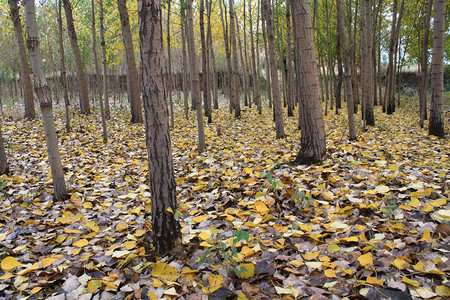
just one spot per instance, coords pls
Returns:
(81, 243)
(246, 270)
(60, 238)
(427, 208)
(48, 261)
(75, 251)
(443, 290)
(121, 226)
(66, 230)
(332, 248)
(248, 170)
(261, 207)
(9, 263)
(204, 235)
(419, 266)
(87, 205)
(139, 233)
(6, 276)
(414, 202)
(374, 280)
(305, 227)
(410, 282)
(439, 202)
(165, 272)
(200, 219)
(399, 263)
(426, 236)
(94, 285)
(310, 255)
(366, 259)
(328, 196)
(200, 185)
(330, 273)
(214, 283)
(35, 290)
(129, 245)
(382, 189)
(171, 292)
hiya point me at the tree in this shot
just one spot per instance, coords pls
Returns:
(169, 66)
(366, 62)
(278, 111)
(423, 87)
(132, 73)
(235, 75)
(166, 230)
(205, 64)
(45, 101)
(255, 81)
(24, 69)
(346, 49)
(63, 68)
(313, 146)
(4, 168)
(105, 69)
(184, 79)
(436, 126)
(82, 84)
(195, 82)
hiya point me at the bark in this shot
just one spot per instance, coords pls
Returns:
(313, 146)
(227, 54)
(247, 76)
(255, 82)
(166, 231)
(205, 63)
(98, 75)
(82, 84)
(104, 65)
(30, 112)
(366, 62)
(132, 73)
(423, 87)
(436, 126)
(45, 102)
(169, 66)
(184, 78)
(278, 110)
(63, 68)
(212, 60)
(235, 76)
(290, 77)
(195, 82)
(390, 79)
(268, 75)
(346, 49)
(4, 167)
(337, 90)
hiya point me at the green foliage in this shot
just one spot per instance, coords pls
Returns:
(274, 183)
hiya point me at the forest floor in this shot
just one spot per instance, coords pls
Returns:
(371, 221)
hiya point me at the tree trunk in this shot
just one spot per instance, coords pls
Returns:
(82, 84)
(268, 76)
(212, 60)
(255, 82)
(98, 75)
(184, 78)
(290, 77)
(346, 49)
(235, 81)
(169, 66)
(166, 232)
(45, 101)
(366, 62)
(313, 146)
(105, 69)
(30, 112)
(436, 126)
(132, 73)
(4, 168)
(205, 63)
(227, 53)
(195, 82)
(279, 124)
(63, 68)
(423, 87)
(337, 90)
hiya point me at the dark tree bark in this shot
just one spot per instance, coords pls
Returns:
(4, 168)
(169, 66)
(205, 64)
(212, 59)
(104, 65)
(45, 101)
(436, 126)
(346, 49)
(30, 112)
(313, 146)
(165, 228)
(423, 87)
(255, 83)
(366, 62)
(132, 73)
(278, 110)
(63, 68)
(290, 77)
(195, 82)
(234, 51)
(227, 53)
(184, 79)
(82, 84)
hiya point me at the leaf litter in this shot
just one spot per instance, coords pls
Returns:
(371, 221)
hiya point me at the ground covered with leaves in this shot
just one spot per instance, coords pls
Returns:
(370, 221)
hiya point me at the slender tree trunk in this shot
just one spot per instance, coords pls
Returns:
(227, 54)
(279, 124)
(337, 90)
(104, 65)
(82, 84)
(212, 60)
(346, 49)
(290, 77)
(245, 60)
(63, 68)
(390, 79)
(268, 71)
(255, 82)
(169, 66)
(132, 73)
(244, 70)
(313, 146)
(98, 75)
(4, 167)
(45, 101)
(166, 231)
(234, 50)
(436, 126)
(195, 84)
(184, 78)
(205, 63)
(423, 87)
(366, 62)
(30, 112)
